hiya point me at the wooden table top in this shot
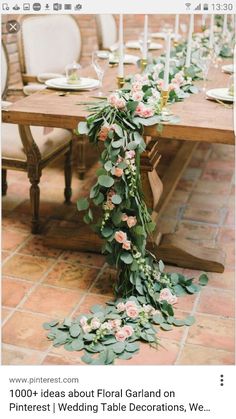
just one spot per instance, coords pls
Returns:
(200, 119)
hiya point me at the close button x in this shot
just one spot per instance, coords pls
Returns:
(12, 26)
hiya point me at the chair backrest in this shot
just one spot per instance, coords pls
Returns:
(4, 71)
(106, 31)
(47, 43)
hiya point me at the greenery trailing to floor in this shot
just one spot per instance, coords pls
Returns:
(145, 294)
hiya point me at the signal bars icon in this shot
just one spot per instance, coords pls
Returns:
(198, 7)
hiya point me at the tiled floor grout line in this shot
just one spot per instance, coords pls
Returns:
(34, 287)
(12, 253)
(70, 315)
(185, 334)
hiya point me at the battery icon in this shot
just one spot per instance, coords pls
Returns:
(205, 6)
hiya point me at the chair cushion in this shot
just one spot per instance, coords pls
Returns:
(42, 77)
(12, 147)
(33, 88)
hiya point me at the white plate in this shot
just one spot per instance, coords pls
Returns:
(220, 94)
(85, 83)
(229, 69)
(128, 59)
(136, 45)
(160, 35)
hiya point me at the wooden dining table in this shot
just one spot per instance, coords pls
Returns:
(201, 120)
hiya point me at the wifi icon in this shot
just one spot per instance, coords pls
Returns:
(188, 5)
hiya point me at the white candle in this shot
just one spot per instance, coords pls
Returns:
(121, 48)
(176, 27)
(211, 38)
(189, 45)
(225, 25)
(167, 62)
(204, 20)
(145, 38)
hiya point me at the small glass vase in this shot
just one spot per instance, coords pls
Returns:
(73, 73)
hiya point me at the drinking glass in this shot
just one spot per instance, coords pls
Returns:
(203, 62)
(141, 37)
(100, 62)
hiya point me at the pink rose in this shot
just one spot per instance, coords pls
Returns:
(144, 111)
(95, 323)
(128, 330)
(83, 321)
(120, 236)
(118, 172)
(121, 335)
(86, 328)
(137, 95)
(130, 303)
(120, 307)
(132, 221)
(166, 295)
(116, 101)
(136, 87)
(126, 245)
(160, 83)
(132, 312)
(130, 154)
(103, 133)
(124, 217)
(114, 324)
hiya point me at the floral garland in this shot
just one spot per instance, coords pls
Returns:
(147, 292)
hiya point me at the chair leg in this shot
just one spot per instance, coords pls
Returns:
(4, 182)
(35, 200)
(68, 175)
(81, 167)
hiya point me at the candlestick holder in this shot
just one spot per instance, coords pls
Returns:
(164, 100)
(175, 43)
(120, 82)
(143, 63)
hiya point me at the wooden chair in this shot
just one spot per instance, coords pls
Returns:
(47, 43)
(106, 31)
(28, 149)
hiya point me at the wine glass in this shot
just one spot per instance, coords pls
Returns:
(100, 62)
(203, 62)
(141, 39)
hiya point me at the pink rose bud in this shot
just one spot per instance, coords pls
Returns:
(126, 245)
(120, 236)
(124, 217)
(132, 221)
(118, 172)
(120, 307)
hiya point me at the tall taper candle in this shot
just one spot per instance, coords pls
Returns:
(189, 45)
(211, 38)
(176, 27)
(167, 62)
(145, 38)
(225, 25)
(121, 48)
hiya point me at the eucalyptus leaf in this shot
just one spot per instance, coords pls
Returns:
(106, 181)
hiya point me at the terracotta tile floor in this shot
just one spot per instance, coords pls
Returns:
(41, 283)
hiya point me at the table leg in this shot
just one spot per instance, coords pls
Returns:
(81, 167)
